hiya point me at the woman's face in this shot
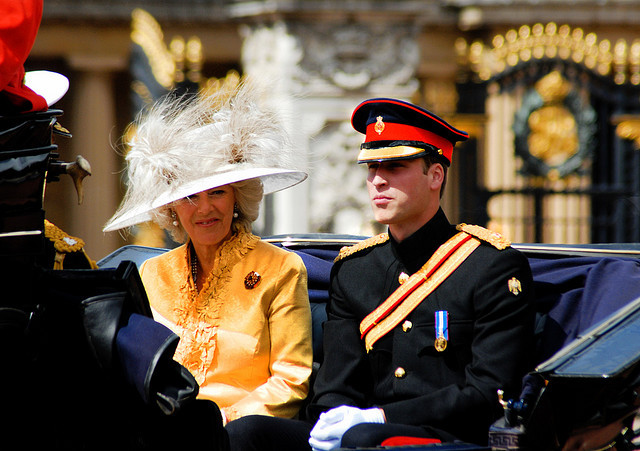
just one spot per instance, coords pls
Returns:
(207, 216)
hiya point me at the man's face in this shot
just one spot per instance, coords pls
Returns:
(404, 194)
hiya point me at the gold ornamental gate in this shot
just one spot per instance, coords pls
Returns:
(556, 162)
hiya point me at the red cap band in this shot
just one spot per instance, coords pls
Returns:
(402, 132)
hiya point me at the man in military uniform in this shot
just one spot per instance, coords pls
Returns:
(458, 321)
(426, 322)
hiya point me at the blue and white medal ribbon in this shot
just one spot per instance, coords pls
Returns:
(442, 330)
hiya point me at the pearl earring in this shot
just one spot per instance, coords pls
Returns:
(235, 211)
(175, 219)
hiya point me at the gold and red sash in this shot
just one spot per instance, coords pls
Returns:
(417, 287)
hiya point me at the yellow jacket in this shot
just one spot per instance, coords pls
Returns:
(248, 347)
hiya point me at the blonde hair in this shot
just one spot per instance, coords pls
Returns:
(248, 197)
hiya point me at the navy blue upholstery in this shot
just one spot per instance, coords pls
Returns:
(318, 263)
(574, 294)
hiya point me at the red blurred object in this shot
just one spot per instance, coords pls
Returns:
(19, 23)
(403, 441)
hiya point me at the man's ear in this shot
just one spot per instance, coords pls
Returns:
(436, 171)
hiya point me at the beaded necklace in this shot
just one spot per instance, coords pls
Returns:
(194, 265)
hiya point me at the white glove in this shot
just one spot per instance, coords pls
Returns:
(332, 424)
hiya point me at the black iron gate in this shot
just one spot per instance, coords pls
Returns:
(611, 162)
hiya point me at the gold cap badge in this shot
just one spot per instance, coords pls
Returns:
(379, 127)
(514, 286)
(251, 280)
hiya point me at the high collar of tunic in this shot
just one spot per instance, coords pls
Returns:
(415, 250)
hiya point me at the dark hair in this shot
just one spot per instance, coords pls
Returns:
(430, 160)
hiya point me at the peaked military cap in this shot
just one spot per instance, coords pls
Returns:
(398, 130)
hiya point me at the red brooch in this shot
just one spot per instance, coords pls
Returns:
(252, 279)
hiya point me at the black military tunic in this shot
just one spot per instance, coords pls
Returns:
(490, 322)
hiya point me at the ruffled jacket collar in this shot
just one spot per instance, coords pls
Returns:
(197, 314)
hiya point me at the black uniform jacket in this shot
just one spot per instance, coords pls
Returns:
(489, 347)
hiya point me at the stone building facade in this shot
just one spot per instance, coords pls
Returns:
(547, 89)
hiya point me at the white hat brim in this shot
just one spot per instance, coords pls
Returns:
(273, 179)
(50, 85)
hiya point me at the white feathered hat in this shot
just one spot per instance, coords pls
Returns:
(182, 147)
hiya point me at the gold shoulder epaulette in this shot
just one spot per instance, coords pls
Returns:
(61, 241)
(369, 242)
(491, 237)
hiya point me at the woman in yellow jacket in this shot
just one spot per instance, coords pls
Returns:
(199, 169)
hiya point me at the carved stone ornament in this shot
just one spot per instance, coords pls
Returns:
(270, 52)
(353, 56)
(338, 184)
(554, 129)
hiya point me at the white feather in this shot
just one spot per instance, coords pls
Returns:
(180, 140)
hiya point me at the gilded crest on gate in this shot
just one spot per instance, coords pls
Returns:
(554, 129)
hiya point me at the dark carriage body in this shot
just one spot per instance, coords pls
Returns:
(84, 366)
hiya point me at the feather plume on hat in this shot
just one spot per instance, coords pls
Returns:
(184, 146)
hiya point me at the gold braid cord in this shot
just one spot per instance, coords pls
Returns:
(417, 288)
(369, 242)
(64, 244)
(486, 235)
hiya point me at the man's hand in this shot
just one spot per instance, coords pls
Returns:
(332, 424)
